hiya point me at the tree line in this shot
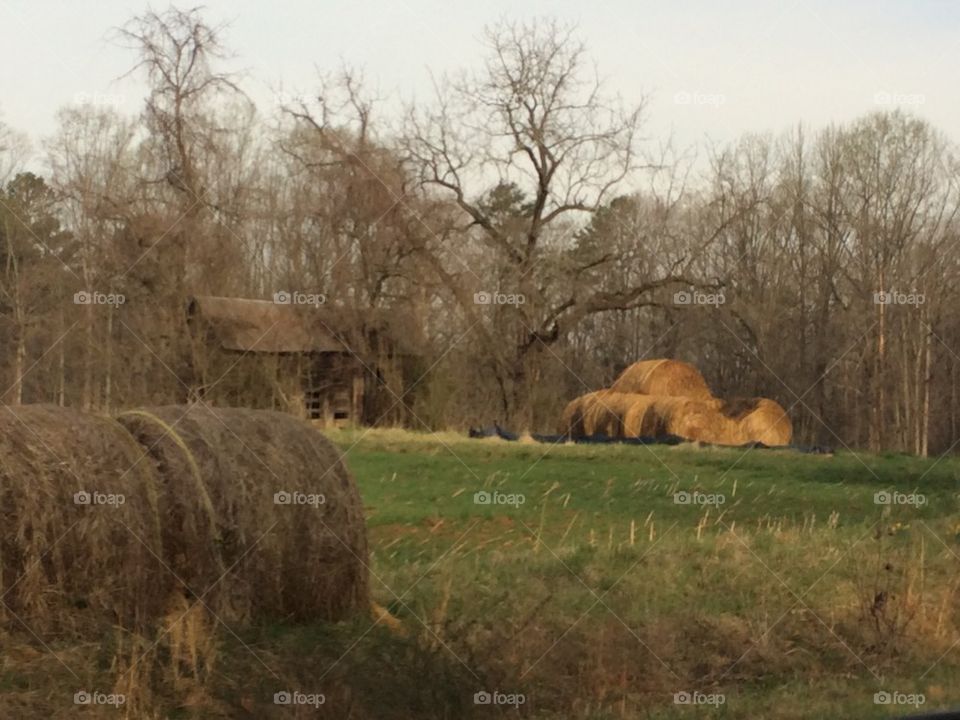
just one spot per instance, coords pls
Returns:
(520, 215)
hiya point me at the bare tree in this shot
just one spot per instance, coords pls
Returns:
(177, 50)
(14, 151)
(527, 149)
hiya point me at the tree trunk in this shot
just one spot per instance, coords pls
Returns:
(925, 434)
(19, 362)
(877, 434)
(61, 366)
(108, 361)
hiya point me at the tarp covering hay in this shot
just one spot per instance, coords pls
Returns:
(261, 516)
(759, 420)
(663, 377)
(79, 525)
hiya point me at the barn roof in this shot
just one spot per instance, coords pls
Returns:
(264, 326)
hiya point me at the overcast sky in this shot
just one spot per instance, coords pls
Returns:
(713, 69)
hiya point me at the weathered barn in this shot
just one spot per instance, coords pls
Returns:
(328, 363)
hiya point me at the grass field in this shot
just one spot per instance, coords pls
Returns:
(592, 587)
(782, 586)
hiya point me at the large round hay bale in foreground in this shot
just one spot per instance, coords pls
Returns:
(79, 525)
(663, 377)
(261, 517)
(759, 419)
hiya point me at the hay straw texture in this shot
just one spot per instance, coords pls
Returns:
(66, 566)
(614, 414)
(657, 415)
(228, 534)
(759, 420)
(571, 419)
(605, 412)
(662, 377)
(654, 398)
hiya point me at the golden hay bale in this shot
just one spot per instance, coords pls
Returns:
(260, 515)
(574, 417)
(692, 419)
(571, 419)
(662, 377)
(614, 414)
(79, 525)
(605, 412)
(584, 415)
(759, 420)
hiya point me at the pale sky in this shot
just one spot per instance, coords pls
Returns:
(713, 69)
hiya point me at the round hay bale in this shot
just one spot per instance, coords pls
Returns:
(80, 531)
(607, 413)
(692, 419)
(571, 419)
(759, 420)
(598, 417)
(662, 377)
(642, 419)
(261, 516)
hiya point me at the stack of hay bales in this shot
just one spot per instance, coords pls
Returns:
(111, 522)
(654, 398)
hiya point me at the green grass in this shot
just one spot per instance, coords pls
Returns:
(600, 596)
(597, 598)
